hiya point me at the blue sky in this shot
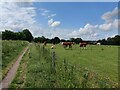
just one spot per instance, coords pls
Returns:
(77, 14)
(86, 20)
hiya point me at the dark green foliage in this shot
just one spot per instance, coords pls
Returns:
(40, 39)
(24, 35)
(8, 35)
(56, 40)
(111, 41)
(63, 40)
(0, 35)
(76, 40)
(28, 35)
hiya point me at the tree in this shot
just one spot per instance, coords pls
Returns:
(110, 41)
(104, 42)
(48, 40)
(0, 35)
(63, 40)
(78, 40)
(117, 40)
(21, 36)
(72, 39)
(28, 35)
(43, 39)
(56, 40)
(8, 35)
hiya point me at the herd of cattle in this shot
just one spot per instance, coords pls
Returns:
(69, 44)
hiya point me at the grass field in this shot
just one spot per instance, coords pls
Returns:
(101, 59)
(96, 67)
(10, 51)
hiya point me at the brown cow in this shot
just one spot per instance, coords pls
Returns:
(66, 44)
(83, 45)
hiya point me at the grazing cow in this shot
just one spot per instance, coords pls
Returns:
(66, 44)
(83, 45)
(98, 43)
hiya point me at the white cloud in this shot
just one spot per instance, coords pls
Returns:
(52, 15)
(94, 35)
(42, 9)
(17, 0)
(111, 15)
(20, 2)
(87, 30)
(50, 33)
(113, 25)
(96, 31)
(53, 23)
(45, 12)
(50, 22)
(16, 17)
(113, 35)
(105, 27)
(111, 20)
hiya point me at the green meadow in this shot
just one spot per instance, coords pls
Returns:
(101, 59)
(94, 67)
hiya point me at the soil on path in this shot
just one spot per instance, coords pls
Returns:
(11, 73)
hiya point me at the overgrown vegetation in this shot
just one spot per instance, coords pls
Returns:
(43, 69)
(10, 51)
(19, 80)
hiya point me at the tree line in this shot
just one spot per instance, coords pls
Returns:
(27, 35)
(111, 40)
(56, 40)
(24, 35)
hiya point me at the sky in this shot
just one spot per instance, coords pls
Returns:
(86, 20)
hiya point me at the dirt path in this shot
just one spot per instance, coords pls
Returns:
(11, 73)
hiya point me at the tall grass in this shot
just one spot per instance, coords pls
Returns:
(40, 72)
(10, 51)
